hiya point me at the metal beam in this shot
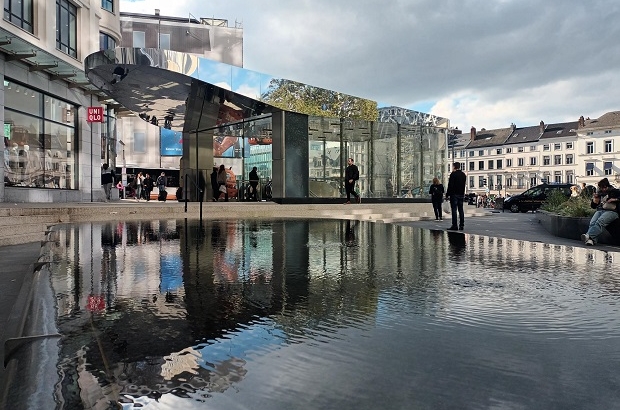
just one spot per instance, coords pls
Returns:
(20, 56)
(78, 85)
(41, 67)
(5, 41)
(58, 76)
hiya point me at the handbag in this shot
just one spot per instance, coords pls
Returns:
(222, 188)
(609, 206)
(446, 207)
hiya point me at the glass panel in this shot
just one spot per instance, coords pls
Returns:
(59, 111)
(164, 40)
(139, 142)
(107, 5)
(23, 149)
(386, 179)
(60, 163)
(139, 39)
(73, 35)
(21, 98)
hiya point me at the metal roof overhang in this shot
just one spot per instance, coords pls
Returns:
(17, 48)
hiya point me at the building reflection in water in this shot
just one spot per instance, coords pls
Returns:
(149, 308)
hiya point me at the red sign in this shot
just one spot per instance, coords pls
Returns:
(94, 114)
(95, 303)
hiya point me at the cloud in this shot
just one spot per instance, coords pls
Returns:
(485, 62)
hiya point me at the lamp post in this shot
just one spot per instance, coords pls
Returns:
(123, 170)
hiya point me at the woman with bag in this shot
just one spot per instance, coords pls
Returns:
(436, 190)
(221, 181)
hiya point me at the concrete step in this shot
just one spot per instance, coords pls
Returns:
(21, 238)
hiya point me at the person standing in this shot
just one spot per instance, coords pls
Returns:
(138, 182)
(107, 179)
(351, 174)
(148, 187)
(437, 190)
(253, 177)
(161, 182)
(456, 194)
(606, 201)
(214, 185)
(222, 176)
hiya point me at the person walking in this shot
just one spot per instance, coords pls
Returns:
(222, 176)
(351, 174)
(437, 190)
(214, 185)
(148, 187)
(456, 194)
(253, 177)
(606, 201)
(107, 179)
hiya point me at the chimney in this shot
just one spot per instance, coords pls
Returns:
(513, 127)
(542, 127)
(472, 133)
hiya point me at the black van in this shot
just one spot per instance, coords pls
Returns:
(533, 198)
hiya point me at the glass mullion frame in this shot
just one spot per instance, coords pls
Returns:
(72, 34)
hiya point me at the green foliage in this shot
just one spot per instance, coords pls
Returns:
(297, 97)
(557, 203)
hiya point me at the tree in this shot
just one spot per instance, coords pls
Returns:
(306, 99)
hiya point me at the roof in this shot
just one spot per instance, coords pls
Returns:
(563, 129)
(525, 135)
(487, 138)
(608, 120)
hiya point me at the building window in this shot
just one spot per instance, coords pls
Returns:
(471, 153)
(498, 151)
(139, 40)
(66, 27)
(557, 146)
(590, 148)
(520, 162)
(521, 149)
(569, 145)
(607, 131)
(589, 133)
(481, 153)
(557, 177)
(557, 160)
(40, 136)
(509, 162)
(533, 148)
(139, 142)
(607, 168)
(19, 13)
(508, 150)
(532, 160)
(608, 147)
(480, 181)
(509, 182)
(480, 165)
(499, 164)
(546, 160)
(569, 159)
(589, 169)
(106, 42)
(164, 41)
(546, 147)
(108, 5)
(472, 166)
(471, 182)
(490, 164)
(533, 181)
(570, 178)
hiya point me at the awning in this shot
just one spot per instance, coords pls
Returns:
(607, 165)
(589, 166)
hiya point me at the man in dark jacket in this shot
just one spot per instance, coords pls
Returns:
(606, 201)
(351, 174)
(253, 184)
(456, 194)
(214, 185)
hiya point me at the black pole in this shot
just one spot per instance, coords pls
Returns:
(185, 186)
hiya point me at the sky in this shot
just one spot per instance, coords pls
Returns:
(481, 63)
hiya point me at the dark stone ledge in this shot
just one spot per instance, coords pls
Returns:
(572, 227)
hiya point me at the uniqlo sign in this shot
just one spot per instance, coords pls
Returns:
(94, 114)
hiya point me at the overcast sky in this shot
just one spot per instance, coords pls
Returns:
(482, 63)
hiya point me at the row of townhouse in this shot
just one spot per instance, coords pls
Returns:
(510, 160)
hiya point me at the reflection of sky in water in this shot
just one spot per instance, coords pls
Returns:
(299, 314)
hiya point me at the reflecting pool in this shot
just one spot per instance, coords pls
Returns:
(299, 314)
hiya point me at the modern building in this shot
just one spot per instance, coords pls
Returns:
(51, 152)
(151, 148)
(220, 108)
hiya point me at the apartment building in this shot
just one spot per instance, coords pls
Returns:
(51, 152)
(511, 160)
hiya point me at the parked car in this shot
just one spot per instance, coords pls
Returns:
(533, 198)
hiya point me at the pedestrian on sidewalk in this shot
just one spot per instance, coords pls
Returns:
(107, 179)
(437, 190)
(222, 177)
(456, 194)
(351, 174)
(214, 185)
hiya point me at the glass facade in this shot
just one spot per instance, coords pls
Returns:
(39, 139)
